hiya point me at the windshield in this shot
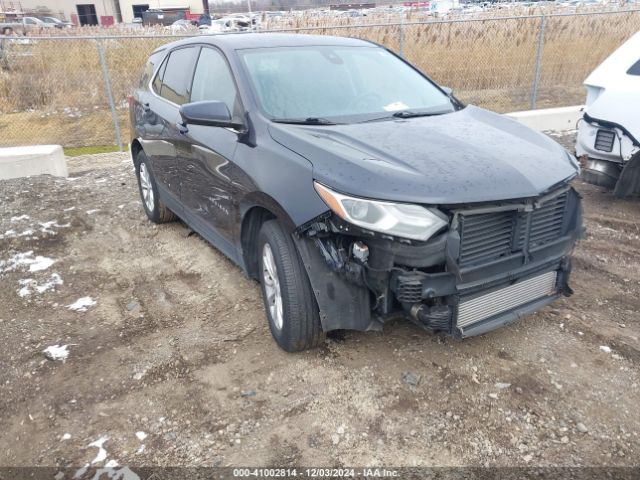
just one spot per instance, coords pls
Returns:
(339, 84)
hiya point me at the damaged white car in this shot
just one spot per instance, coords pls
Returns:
(609, 133)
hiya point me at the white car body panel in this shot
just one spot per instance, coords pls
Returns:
(613, 97)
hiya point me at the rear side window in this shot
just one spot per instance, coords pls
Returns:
(177, 75)
(149, 68)
(635, 69)
(213, 80)
(157, 82)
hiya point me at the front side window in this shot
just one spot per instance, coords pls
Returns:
(338, 82)
(177, 75)
(213, 80)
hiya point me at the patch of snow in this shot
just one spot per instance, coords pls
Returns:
(141, 449)
(605, 349)
(19, 218)
(102, 453)
(56, 352)
(46, 227)
(81, 471)
(25, 290)
(122, 473)
(91, 212)
(111, 464)
(41, 263)
(141, 435)
(23, 259)
(82, 304)
(30, 286)
(66, 436)
(69, 209)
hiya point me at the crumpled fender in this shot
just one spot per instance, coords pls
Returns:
(342, 304)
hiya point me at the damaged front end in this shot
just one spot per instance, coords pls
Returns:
(488, 266)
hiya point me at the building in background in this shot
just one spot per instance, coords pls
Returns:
(98, 12)
(135, 8)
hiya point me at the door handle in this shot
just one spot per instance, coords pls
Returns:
(182, 128)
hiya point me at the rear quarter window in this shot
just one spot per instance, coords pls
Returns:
(157, 81)
(150, 68)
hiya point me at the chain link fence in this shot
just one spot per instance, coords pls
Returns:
(73, 91)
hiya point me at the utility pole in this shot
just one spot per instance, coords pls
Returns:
(205, 7)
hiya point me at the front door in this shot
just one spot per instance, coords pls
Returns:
(211, 180)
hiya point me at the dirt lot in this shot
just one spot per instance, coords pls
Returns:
(174, 363)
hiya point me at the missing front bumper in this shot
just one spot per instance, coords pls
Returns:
(474, 310)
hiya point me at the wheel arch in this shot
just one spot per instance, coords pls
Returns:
(256, 209)
(136, 148)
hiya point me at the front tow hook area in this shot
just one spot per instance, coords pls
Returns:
(436, 318)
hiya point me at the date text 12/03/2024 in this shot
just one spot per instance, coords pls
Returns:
(314, 473)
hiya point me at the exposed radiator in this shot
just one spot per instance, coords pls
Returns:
(480, 308)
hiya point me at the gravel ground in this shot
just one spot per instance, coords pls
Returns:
(174, 364)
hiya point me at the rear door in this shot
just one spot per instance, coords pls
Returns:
(211, 179)
(169, 89)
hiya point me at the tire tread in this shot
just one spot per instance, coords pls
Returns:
(302, 329)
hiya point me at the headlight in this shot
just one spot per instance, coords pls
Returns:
(398, 219)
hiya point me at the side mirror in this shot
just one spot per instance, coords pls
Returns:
(210, 113)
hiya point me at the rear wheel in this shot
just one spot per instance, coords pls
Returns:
(156, 211)
(291, 307)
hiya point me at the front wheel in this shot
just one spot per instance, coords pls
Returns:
(291, 307)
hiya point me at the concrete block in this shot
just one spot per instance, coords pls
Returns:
(549, 119)
(18, 162)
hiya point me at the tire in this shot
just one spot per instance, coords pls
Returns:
(156, 211)
(298, 326)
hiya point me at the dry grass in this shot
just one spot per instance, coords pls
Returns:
(54, 91)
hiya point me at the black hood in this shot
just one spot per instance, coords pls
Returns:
(468, 156)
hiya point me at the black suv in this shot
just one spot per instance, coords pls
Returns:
(353, 186)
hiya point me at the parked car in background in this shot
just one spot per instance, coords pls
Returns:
(217, 26)
(609, 133)
(34, 23)
(23, 25)
(183, 26)
(353, 187)
(56, 22)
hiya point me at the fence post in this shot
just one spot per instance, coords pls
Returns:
(536, 72)
(401, 39)
(107, 85)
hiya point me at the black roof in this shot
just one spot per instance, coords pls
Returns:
(240, 41)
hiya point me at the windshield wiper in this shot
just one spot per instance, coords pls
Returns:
(410, 114)
(406, 114)
(305, 121)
